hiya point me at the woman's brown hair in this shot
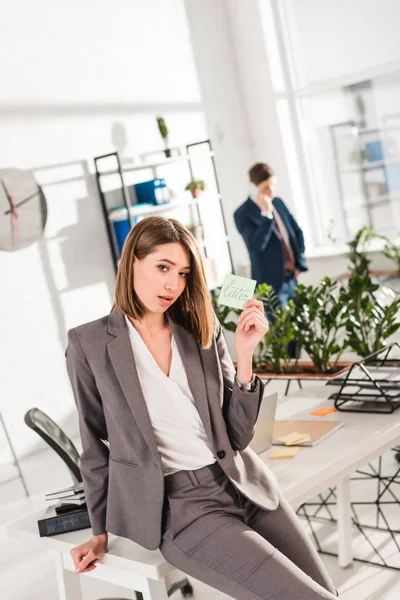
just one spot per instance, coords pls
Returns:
(193, 309)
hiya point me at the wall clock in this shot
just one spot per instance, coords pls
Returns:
(23, 209)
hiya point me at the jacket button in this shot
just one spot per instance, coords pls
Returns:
(221, 453)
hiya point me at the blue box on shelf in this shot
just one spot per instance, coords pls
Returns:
(154, 191)
(374, 151)
(118, 218)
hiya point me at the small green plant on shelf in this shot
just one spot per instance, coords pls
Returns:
(195, 187)
(163, 129)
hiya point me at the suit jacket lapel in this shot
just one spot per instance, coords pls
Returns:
(123, 362)
(190, 355)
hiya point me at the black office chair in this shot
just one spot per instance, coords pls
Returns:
(54, 436)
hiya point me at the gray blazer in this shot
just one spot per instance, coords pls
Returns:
(123, 480)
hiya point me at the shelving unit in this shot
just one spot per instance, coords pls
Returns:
(354, 144)
(198, 224)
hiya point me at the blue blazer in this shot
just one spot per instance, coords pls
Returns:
(263, 242)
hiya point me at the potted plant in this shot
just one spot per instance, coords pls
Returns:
(319, 319)
(303, 320)
(368, 322)
(163, 129)
(195, 186)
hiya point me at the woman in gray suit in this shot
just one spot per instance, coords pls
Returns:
(155, 380)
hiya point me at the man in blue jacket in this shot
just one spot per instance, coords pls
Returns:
(273, 238)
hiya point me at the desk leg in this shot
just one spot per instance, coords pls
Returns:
(69, 586)
(345, 555)
(154, 590)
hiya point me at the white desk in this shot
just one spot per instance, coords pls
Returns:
(314, 470)
(330, 463)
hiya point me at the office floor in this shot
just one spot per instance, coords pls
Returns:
(28, 574)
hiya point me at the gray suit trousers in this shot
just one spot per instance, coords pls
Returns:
(215, 534)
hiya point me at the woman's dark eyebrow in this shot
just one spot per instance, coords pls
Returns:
(171, 263)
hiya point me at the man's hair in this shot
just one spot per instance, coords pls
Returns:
(260, 172)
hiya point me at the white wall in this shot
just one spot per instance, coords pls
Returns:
(336, 38)
(70, 71)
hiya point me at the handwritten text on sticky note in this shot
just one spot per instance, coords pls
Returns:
(236, 291)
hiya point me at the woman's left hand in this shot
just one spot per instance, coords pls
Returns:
(252, 326)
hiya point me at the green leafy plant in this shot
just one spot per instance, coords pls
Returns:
(391, 251)
(368, 323)
(319, 316)
(163, 129)
(272, 350)
(357, 254)
(195, 184)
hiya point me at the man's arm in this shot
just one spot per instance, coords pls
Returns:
(255, 237)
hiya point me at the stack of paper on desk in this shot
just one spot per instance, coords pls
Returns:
(316, 430)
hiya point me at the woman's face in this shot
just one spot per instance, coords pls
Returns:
(160, 277)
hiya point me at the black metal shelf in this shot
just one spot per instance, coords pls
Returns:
(186, 159)
(371, 385)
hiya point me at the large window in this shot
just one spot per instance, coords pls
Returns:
(354, 145)
(340, 86)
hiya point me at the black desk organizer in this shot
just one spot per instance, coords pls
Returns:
(371, 385)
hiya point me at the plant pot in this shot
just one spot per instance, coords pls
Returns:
(195, 193)
(167, 153)
(305, 370)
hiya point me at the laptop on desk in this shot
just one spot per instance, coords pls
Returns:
(262, 439)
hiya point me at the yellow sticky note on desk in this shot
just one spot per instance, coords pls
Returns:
(284, 452)
(291, 439)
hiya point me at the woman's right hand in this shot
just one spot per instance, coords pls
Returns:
(88, 554)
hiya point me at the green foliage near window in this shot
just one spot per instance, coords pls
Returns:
(319, 316)
(357, 254)
(392, 251)
(367, 322)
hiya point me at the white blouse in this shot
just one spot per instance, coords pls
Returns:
(181, 438)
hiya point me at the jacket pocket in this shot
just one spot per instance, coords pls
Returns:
(124, 461)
